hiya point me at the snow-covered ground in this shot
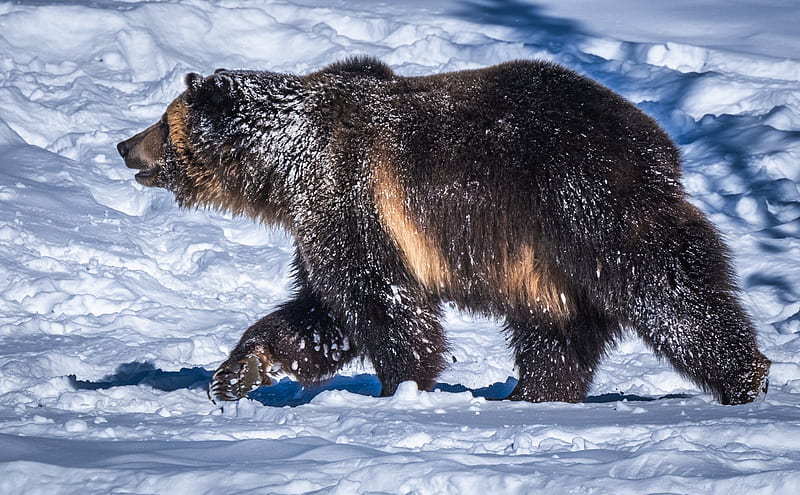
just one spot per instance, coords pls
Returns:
(115, 306)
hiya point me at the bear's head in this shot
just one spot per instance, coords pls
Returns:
(215, 144)
(146, 152)
(175, 152)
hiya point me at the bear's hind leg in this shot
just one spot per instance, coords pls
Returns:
(712, 343)
(300, 339)
(556, 359)
(686, 308)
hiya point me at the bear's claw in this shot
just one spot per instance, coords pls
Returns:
(236, 377)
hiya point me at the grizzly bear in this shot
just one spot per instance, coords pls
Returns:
(523, 191)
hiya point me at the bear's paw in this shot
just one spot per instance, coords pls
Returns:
(236, 377)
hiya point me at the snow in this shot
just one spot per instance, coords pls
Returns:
(116, 306)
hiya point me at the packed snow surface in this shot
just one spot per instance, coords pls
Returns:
(116, 306)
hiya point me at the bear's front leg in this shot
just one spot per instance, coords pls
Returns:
(394, 324)
(556, 357)
(300, 339)
(404, 341)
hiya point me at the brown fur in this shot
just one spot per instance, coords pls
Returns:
(516, 273)
(206, 184)
(423, 257)
(524, 282)
(177, 120)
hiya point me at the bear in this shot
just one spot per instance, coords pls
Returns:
(524, 191)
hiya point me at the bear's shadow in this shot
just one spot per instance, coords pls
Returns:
(290, 393)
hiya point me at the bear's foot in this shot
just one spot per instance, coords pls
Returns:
(238, 376)
(753, 387)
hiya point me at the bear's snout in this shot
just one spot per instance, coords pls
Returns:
(123, 148)
(144, 152)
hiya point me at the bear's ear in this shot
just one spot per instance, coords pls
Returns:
(221, 89)
(193, 81)
(212, 94)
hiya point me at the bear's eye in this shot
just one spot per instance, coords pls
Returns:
(164, 125)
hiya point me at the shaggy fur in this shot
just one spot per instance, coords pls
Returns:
(522, 190)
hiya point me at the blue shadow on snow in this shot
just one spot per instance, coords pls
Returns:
(137, 373)
(290, 393)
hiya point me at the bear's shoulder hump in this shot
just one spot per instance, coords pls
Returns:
(360, 66)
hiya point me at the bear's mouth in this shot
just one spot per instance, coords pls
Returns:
(142, 152)
(148, 172)
(148, 176)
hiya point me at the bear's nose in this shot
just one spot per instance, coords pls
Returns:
(123, 149)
